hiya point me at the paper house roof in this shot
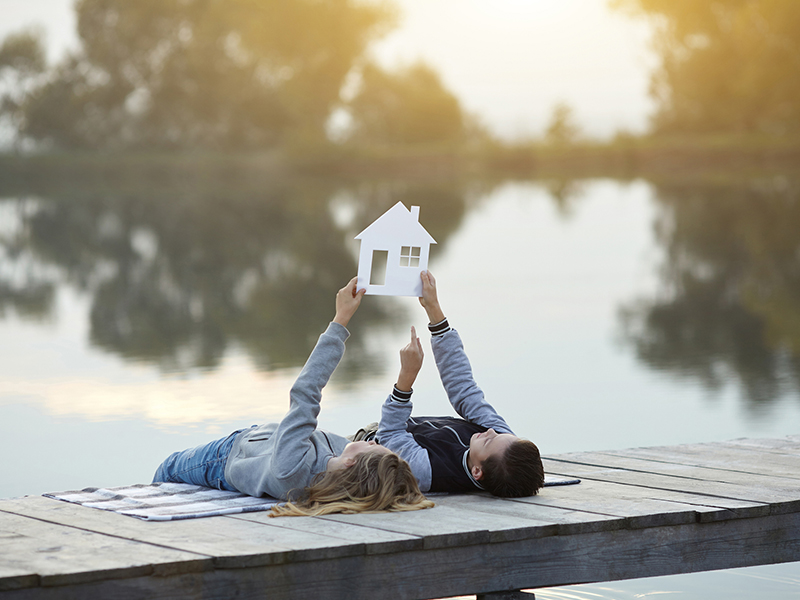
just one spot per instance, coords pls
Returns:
(399, 222)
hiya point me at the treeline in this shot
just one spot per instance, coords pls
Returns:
(200, 74)
(725, 66)
(262, 74)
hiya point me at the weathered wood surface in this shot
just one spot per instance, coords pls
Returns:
(637, 513)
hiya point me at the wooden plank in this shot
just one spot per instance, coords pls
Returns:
(480, 518)
(778, 499)
(527, 520)
(645, 507)
(17, 579)
(438, 527)
(379, 541)
(786, 445)
(14, 576)
(60, 555)
(718, 456)
(442, 572)
(233, 543)
(783, 494)
(780, 485)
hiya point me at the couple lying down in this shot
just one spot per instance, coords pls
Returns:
(391, 465)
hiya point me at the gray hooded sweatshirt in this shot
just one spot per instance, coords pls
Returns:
(280, 459)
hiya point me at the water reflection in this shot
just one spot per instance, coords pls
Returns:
(566, 193)
(776, 582)
(181, 266)
(168, 403)
(183, 262)
(729, 307)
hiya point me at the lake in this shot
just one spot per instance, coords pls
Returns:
(146, 313)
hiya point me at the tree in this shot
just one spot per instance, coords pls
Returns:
(22, 60)
(409, 106)
(202, 73)
(726, 65)
(562, 128)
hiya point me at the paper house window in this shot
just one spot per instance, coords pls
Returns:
(394, 251)
(409, 256)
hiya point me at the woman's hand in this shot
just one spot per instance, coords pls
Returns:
(410, 363)
(347, 302)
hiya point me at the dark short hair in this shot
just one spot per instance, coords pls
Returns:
(517, 473)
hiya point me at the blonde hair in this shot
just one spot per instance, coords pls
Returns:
(375, 482)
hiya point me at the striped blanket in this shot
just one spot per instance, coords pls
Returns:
(174, 501)
(166, 501)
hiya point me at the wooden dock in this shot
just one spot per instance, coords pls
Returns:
(637, 513)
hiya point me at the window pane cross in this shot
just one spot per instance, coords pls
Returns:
(409, 256)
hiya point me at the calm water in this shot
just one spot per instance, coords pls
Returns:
(142, 316)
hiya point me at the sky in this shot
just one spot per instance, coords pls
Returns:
(508, 61)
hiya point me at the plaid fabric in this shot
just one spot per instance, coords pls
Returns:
(165, 501)
(175, 501)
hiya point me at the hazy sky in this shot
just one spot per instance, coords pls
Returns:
(509, 61)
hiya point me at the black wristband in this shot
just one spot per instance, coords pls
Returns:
(439, 328)
(400, 395)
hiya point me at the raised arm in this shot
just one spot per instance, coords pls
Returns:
(396, 411)
(430, 298)
(295, 429)
(454, 368)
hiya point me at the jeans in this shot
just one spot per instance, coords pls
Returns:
(204, 465)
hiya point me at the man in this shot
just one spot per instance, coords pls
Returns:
(478, 451)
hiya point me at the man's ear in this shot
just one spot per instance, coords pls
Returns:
(477, 472)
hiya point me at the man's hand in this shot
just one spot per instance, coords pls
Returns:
(430, 299)
(410, 363)
(347, 302)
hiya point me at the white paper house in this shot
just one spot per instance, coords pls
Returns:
(394, 251)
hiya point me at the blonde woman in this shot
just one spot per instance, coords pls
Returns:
(317, 472)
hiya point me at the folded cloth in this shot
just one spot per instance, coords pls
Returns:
(166, 501)
(175, 501)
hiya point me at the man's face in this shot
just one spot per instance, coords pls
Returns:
(489, 443)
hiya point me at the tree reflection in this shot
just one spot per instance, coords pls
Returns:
(566, 193)
(730, 303)
(181, 269)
